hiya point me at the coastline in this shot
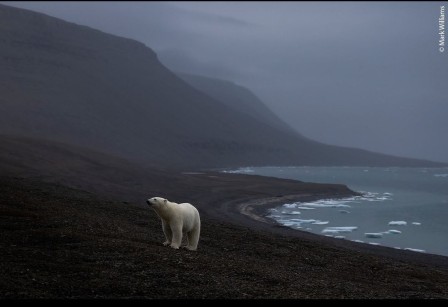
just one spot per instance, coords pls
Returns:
(257, 209)
(86, 246)
(91, 235)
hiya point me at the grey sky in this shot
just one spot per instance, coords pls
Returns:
(359, 74)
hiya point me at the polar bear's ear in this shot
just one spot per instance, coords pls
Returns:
(164, 201)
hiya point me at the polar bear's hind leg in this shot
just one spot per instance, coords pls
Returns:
(193, 238)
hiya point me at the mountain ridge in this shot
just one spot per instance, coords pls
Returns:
(237, 97)
(74, 84)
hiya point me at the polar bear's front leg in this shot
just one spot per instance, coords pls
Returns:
(176, 230)
(167, 232)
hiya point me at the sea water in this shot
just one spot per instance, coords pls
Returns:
(404, 208)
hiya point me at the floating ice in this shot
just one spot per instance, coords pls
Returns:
(321, 222)
(385, 197)
(341, 203)
(374, 196)
(416, 223)
(397, 223)
(375, 235)
(415, 250)
(337, 230)
(304, 221)
(326, 203)
(309, 221)
(290, 212)
(374, 243)
(299, 222)
(393, 231)
(359, 241)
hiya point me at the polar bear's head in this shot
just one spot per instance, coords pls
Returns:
(156, 202)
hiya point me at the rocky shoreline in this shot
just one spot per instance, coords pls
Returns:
(74, 224)
(61, 242)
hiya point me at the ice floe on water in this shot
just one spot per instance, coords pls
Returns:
(303, 221)
(393, 231)
(337, 230)
(379, 235)
(290, 212)
(299, 222)
(338, 203)
(398, 223)
(320, 222)
(374, 196)
(324, 203)
(414, 250)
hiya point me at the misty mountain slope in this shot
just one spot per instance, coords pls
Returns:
(74, 84)
(237, 97)
(65, 81)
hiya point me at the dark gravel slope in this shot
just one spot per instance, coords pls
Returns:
(59, 242)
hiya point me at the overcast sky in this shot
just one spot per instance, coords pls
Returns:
(359, 74)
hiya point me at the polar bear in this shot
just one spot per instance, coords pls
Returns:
(177, 220)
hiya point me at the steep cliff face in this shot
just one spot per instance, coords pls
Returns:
(78, 85)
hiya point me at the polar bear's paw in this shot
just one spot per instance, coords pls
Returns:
(166, 243)
(174, 246)
(191, 248)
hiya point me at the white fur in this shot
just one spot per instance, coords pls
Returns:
(177, 220)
